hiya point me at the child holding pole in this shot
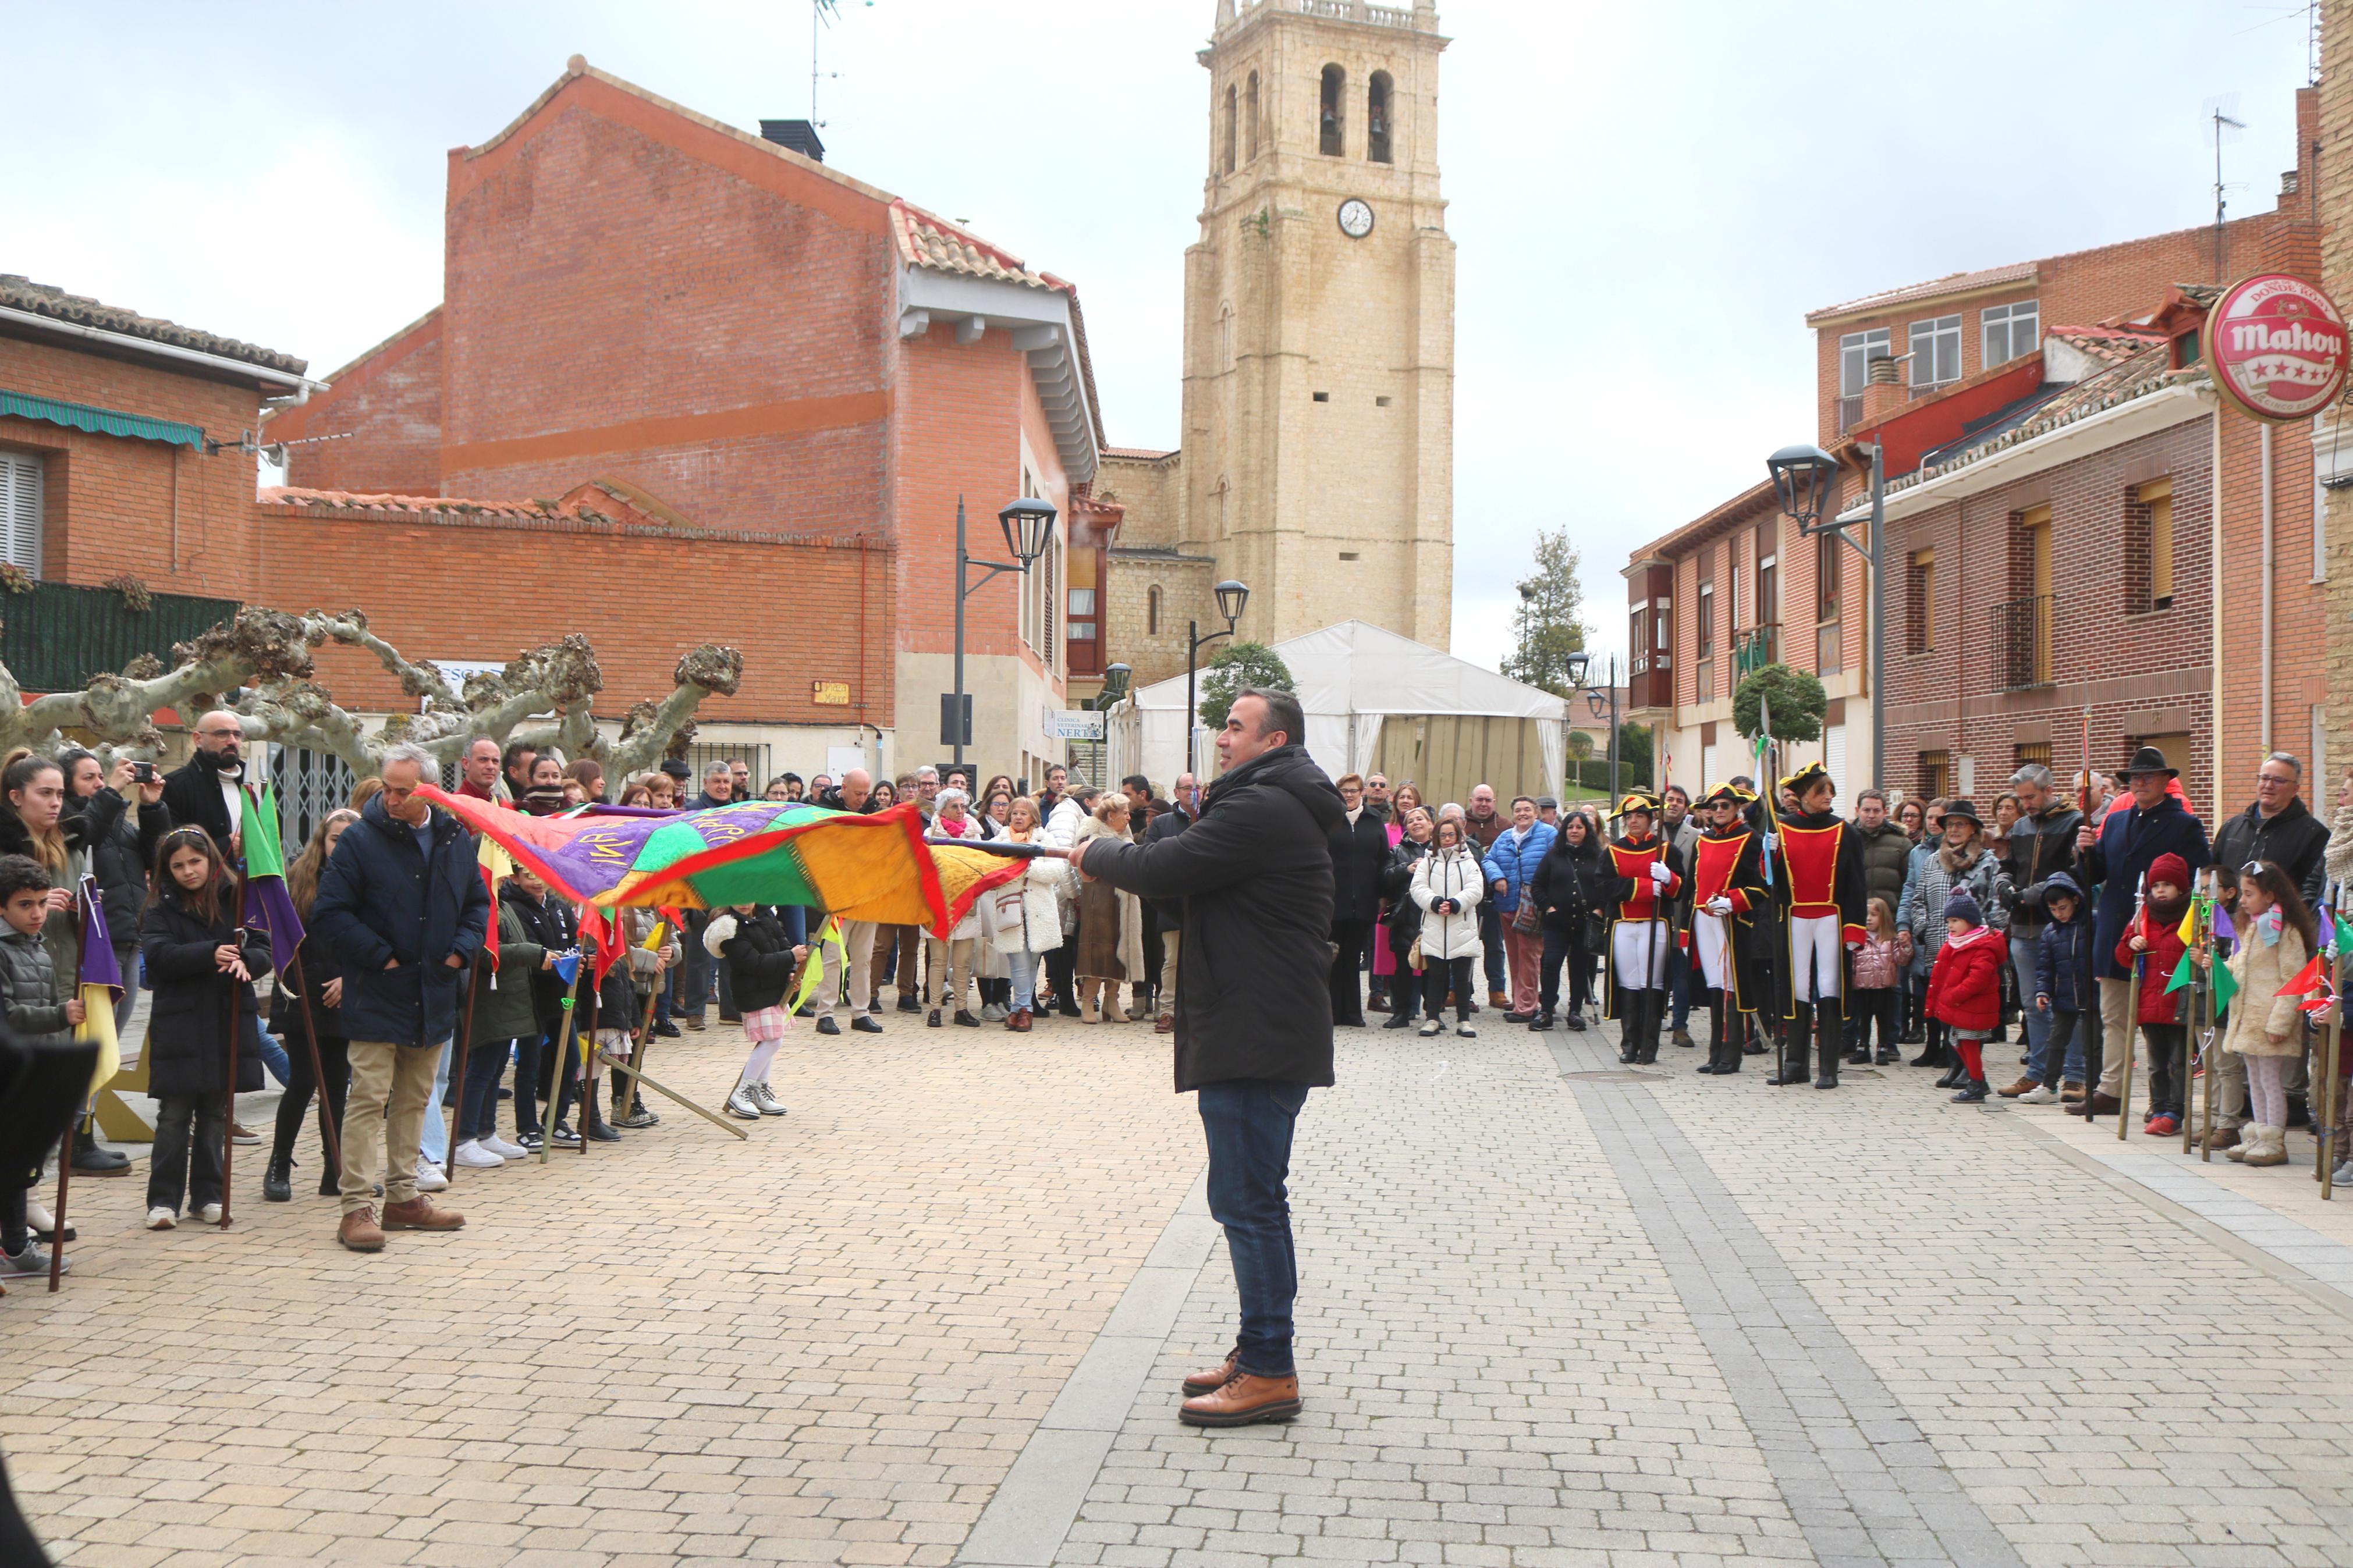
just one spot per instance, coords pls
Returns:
(2278, 938)
(42, 1011)
(763, 961)
(201, 964)
(2153, 938)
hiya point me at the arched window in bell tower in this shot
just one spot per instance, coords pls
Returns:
(1229, 130)
(1330, 123)
(1249, 97)
(1377, 113)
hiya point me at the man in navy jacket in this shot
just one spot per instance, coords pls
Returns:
(2114, 858)
(403, 904)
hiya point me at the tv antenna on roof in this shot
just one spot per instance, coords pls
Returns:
(821, 15)
(2221, 115)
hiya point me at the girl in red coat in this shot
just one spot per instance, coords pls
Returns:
(2152, 948)
(1964, 989)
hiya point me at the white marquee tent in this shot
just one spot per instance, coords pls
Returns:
(1351, 678)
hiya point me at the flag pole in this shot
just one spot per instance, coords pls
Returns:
(564, 1048)
(646, 1023)
(228, 1090)
(2132, 1021)
(330, 1135)
(65, 1175)
(2202, 1006)
(458, 1063)
(2329, 1098)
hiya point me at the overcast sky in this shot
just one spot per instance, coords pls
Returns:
(1646, 198)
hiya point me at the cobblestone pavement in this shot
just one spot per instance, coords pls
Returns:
(1553, 1312)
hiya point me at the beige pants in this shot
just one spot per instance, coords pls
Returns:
(2119, 1033)
(384, 1119)
(953, 961)
(1168, 974)
(857, 936)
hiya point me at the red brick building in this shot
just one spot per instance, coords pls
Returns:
(2039, 423)
(791, 376)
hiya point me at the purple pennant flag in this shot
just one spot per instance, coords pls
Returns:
(98, 965)
(268, 907)
(2222, 927)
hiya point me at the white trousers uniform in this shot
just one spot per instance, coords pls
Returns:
(1712, 937)
(1816, 959)
(1626, 952)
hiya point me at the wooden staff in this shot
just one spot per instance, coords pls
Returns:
(64, 1175)
(646, 1023)
(2328, 1097)
(2202, 1004)
(2132, 1018)
(617, 1065)
(228, 1096)
(564, 1048)
(457, 1065)
(329, 1134)
(588, 1050)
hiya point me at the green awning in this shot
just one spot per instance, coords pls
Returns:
(104, 421)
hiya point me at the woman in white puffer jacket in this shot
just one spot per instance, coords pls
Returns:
(1448, 883)
(1040, 890)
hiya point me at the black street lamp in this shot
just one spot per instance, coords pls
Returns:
(1115, 678)
(1029, 525)
(1231, 597)
(1580, 665)
(1804, 477)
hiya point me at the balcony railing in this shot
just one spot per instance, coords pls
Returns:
(1754, 649)
(2022, 643)
(1849, 411)
(55, 636)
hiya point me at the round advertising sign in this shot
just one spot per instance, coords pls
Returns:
(2277, 347)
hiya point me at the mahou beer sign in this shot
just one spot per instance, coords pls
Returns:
(2277, 347)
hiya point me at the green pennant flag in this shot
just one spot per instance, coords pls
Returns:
(2224, 987)
(2343, 937)
(2184, 974)
(264, 856)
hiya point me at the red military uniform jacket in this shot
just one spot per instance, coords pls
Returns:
(1636, 896)
(1821, 862)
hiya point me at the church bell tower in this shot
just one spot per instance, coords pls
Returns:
(1319, 322)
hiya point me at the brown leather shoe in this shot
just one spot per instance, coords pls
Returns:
(2021, 1086)
(2222, 1138)
(419, 1214)
(1017, 1020)
(2104, 1104)
(360, 1232)
(1165, 1025)
(1209, 1382)
(1496, 999)
(1243, 1400)
(2073, 1091)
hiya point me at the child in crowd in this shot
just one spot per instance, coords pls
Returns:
(2153, 943)
(42, 1011)
(201, 964)
(1965, 991)
(2277, 936)
(2064, 991)
(763, 961)
(1875, 980)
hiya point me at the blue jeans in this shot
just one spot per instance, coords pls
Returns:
(273, 1055)
(1024, 966)
(2038, 1023)
(1248, 1123)
(434, 1145)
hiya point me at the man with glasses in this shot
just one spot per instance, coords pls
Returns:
(2280, 828)
(203, 794)
(1377, 795)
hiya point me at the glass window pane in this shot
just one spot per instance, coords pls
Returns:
(1083, 601)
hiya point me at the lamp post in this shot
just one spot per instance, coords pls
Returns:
(1802, 478)
(1027, 524)
(1232, 597)
(1580, 663)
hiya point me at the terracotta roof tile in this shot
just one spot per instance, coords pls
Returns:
(1951, 283)
(926, 239)
(44, 299)
(1140, 454)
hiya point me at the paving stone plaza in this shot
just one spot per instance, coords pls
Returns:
(1554, 1312)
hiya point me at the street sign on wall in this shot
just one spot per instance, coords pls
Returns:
(2275, 346)
(1071, 724)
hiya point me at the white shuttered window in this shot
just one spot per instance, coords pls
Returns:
(20, 511)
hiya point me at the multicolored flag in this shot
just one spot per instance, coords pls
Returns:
(857, 866)
(267, 905)
(97, 981)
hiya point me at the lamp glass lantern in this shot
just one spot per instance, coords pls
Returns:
(1579, 663)
(1115, 678)
(1232, 597)
(1802, 477)
(1028, 523)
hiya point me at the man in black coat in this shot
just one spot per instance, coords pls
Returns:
(201, 795)
(1360, 849)
(1255, 877)
(402, 903)
(2115, 857)
(2041, 845)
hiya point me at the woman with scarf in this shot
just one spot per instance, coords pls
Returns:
(1956, 861)
(1403, 926)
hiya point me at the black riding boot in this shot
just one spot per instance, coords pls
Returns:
(1791, 1048)
(1714, 1062)
(1630, 1025)
(1830, 1041)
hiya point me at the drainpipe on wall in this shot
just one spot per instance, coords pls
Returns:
(2268, 563)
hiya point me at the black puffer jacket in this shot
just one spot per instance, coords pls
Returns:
(1397, 886)
(2294, 840)
(1255, 875)
(121, 846)
(2041, 845)
(384, 899)
(187, 1034)
(758, 951)
(1568, 885)
(1360, 852)
(1886, 856)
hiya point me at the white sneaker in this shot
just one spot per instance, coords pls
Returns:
(474, 1157)
(2343, 1175)
(1432, 1027)
(161, 1218)
(1467, 1032)
(210, 1214)
(765, 1098)
(741, 1104)
(429, 1178)
(502, 1149)
(2041, 1094)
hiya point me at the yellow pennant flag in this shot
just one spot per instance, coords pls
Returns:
(2190, 925)
(98, 1023)
(814, 965)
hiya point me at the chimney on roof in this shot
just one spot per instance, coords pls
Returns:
(1882, 388)
(798, 135)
